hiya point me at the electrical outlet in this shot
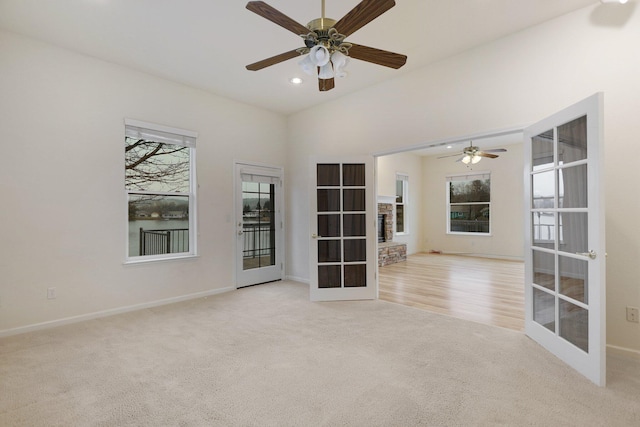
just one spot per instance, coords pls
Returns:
(632, 314)
(51, 293)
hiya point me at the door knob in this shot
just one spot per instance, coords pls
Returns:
(591, 254)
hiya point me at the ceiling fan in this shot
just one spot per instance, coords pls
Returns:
(327, 52)
(473, 154)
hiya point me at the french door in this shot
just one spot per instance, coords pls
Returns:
(343, 259)
(259, 224)
(564, 237)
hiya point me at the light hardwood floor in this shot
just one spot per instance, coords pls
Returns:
(483, 290)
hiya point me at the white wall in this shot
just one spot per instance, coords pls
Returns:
(517, 80)
(410, 164)
(64, 213)
(61, 172)
(506, 240)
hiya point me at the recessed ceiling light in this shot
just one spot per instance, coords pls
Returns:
(295, 81)
(449, 147)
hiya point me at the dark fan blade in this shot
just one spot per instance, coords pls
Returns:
(273, 60)
(277, 17)
(365, 12)
(377, 56)
(484, 154)
(450, 155)
(326, 84)
(495, 150)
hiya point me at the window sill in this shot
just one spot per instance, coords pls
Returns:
(137, 261)
(457, 233)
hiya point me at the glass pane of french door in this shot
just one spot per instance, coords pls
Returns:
(342, 255)
(564, 266)
(341, 234)
(258, 225)
(560, 191)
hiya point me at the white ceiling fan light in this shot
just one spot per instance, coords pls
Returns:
(307, 65)
(471, 159)
(319, 55)
(340, 61)
(326, 71)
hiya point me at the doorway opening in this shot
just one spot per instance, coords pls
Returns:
(259, 224)
(475, 277)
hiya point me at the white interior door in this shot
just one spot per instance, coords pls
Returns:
(259, 224)
(343, 260)
(564, 237)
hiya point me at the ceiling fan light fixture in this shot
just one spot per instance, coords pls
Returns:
(475, 159)
(326, 72)
(339, 61)
(325, 44)
(319, 55)
(307, 65)
(466, 159)
(326, 63)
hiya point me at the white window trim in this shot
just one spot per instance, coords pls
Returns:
(171, 135)
(401, 176)
(467, 177)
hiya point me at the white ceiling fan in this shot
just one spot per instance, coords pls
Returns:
(473, 154)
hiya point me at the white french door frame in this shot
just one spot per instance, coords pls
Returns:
(243, 277)
(591, 363)
(370, 291)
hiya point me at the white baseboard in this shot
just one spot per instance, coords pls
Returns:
(623, 352)
(297, 279)
(490, 256)
(111, 312)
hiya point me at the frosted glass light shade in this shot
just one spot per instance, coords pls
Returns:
(307, 66)
(326, 71)
(475, 159)
(340, 61)
(466, 160)
(319, 55)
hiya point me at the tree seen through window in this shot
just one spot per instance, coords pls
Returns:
(469, 205)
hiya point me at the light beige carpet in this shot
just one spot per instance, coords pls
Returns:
(266, 356)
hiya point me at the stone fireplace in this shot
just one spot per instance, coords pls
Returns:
(385, 213)
(389, 252)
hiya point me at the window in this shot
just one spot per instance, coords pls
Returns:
(469, 203)
(160, 188)
(402, 192)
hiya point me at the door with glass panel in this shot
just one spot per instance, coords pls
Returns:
(343, 259)
(258, 224)
(564, 237)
